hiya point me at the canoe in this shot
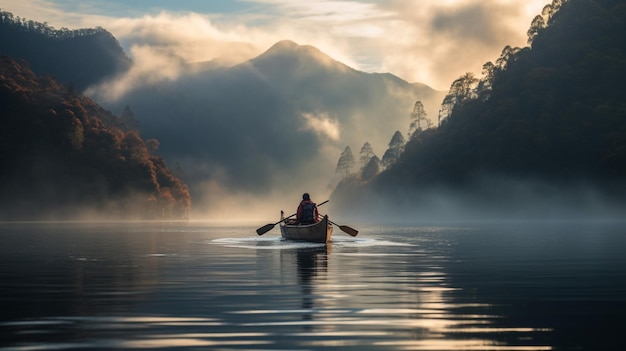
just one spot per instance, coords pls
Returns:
(319, 232)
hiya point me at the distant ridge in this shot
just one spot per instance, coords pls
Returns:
(79, 58)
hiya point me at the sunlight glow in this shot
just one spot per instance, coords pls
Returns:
(396, 37)
(446, 345)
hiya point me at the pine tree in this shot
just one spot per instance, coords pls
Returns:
(366, 154)
(371, 169)
(345, 163)
(417, 116)
(396, 147)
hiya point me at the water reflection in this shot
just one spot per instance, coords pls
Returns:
(311, 266)
(392, 289)
(355, 294)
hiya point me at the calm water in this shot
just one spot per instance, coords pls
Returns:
(197, 286)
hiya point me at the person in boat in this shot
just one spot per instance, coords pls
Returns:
(307, 211)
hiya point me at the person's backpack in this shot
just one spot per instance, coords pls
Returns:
(308, 213)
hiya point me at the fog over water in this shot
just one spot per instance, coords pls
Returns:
(488, 199)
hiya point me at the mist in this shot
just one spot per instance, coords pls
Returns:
(266, 130)
(485, 199)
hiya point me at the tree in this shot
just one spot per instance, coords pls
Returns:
(536, 25)
(541, 21)
(371, 169)
(366, 154)
(129, 122)
(418, 115)
(461, 90)
(61, 151)
(507, 54)
(345, 163)
(485, 84)
(396, 147)
(446, 108)
(153, 145)
(550, 9)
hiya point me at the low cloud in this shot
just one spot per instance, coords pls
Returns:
(193, 37)
(151, 66)
(322, 125)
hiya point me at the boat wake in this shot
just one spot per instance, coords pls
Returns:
(278, 243)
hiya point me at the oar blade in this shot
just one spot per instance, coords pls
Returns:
(349, 230)
(264, 229)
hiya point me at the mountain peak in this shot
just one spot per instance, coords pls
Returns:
(289, 47)
(284, 45)
(289, 53)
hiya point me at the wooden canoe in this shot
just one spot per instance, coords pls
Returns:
(319, 232)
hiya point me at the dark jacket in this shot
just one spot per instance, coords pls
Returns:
(302, 217)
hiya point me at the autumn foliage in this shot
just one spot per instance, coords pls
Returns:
(63, 155)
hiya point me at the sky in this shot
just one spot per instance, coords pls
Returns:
(427, 41)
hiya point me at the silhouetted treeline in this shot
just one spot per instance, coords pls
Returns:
(554, 111)
(63, 155)
(78, 58)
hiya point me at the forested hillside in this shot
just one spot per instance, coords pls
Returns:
(64, 156)
(553, 113)
(78, 58)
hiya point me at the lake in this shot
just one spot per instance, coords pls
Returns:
(516, 286)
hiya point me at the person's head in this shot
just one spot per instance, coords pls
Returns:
(306, 196)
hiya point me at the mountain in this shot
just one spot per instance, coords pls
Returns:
(304, 71)
(64, 157)
(79, 58)
(548, 138)
(277, 121)
(249, 129)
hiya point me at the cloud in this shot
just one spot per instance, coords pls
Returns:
(428, 41)
(151, 66)
(322, 125)
(327, 11)
(192, 36)
(437, 41)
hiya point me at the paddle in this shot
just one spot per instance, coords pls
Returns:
(345, 228)
(348, 230)
(266, 228)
